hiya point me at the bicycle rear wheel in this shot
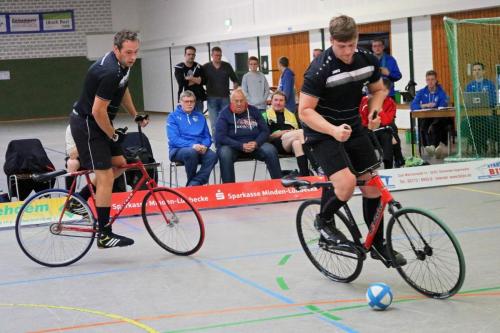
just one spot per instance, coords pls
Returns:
(337, 265)
(49, 234)
(173, 222)
(435, 262)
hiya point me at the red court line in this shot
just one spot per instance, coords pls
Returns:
(242, 309)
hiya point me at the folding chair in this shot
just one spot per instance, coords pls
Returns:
(24, 158)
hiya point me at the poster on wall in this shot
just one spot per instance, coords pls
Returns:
(498, 84)
(15, 23)
(24, 23)
(60, 21)
(3, 23)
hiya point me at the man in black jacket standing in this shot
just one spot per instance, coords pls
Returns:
(190, 76)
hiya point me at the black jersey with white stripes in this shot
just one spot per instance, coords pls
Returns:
(107, 80)
(338, 87)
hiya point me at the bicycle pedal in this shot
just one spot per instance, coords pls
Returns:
(344, 246)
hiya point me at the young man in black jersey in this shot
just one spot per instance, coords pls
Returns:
(97, 141)
(328, 107)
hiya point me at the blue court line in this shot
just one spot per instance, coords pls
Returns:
(177, 263)
(271, 293)
(104, 272)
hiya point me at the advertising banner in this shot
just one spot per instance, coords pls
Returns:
(24, 23)
(3, 23)
(16, 23)
(269, 191)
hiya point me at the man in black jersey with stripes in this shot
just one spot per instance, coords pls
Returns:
(97, 141)
(328, 107)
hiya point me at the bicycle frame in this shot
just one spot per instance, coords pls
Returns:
(145, 179)
(386, 199)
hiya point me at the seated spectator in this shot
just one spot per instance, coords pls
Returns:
(483, 128)
(434, 131)
(242, 132)
(285, 133)
(73, 161)
(189, 140)
(387, 115)
(72, 158)
(481, 84)
(255, 85)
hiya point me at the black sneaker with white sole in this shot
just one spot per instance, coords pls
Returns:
(328, 230)
(108, 240)
(75, 207)
(400, 260)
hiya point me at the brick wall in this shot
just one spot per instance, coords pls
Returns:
(91, 16)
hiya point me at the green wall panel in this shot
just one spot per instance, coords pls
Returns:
(42, 88)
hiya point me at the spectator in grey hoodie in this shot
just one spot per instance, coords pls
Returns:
(255, 85)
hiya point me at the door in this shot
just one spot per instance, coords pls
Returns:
(296, 48)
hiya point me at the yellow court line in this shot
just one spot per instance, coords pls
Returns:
(96, 312)
(474, 190)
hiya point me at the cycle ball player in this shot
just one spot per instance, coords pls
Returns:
(328, 107)
(98, 142)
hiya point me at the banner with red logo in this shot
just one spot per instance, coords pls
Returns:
(220, 196)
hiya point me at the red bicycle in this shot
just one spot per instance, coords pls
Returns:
(435, 263)
(52, 235)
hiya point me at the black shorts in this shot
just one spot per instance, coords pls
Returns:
(95, 148)
(359, 148)
(279, 146)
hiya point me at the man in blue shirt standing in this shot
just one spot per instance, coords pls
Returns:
(388, 65)
(287, 83)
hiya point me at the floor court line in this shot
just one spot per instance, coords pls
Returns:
(177, 264)
(482, 292)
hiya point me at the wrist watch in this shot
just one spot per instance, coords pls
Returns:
(115, 137)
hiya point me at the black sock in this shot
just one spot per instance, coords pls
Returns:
(310, 157)
(103, 219)
(85, 192)
(303, 165)
(370, 206)
(330, 203)
(387, 164)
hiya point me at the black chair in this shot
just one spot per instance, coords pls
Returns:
(137, 145)
(23, 159)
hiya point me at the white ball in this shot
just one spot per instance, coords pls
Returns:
(379, 296)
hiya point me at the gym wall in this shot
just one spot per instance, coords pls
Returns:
(47, 69)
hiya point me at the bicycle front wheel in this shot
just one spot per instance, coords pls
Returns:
(173, 222)
(51, 235)
(337, 264)
(435, 262)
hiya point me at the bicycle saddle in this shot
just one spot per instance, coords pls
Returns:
(297, 183)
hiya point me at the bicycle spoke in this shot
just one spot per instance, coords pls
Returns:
(336, 264)
(435, 264)
(38, 229)
(172, 221)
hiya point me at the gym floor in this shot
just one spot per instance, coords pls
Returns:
(251, 274)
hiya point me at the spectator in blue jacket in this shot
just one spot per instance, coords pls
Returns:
(388, 65)
(189, 140)
(483, 128)
(287, 83)
(481, 84)
(434, 131)
(241, 131)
